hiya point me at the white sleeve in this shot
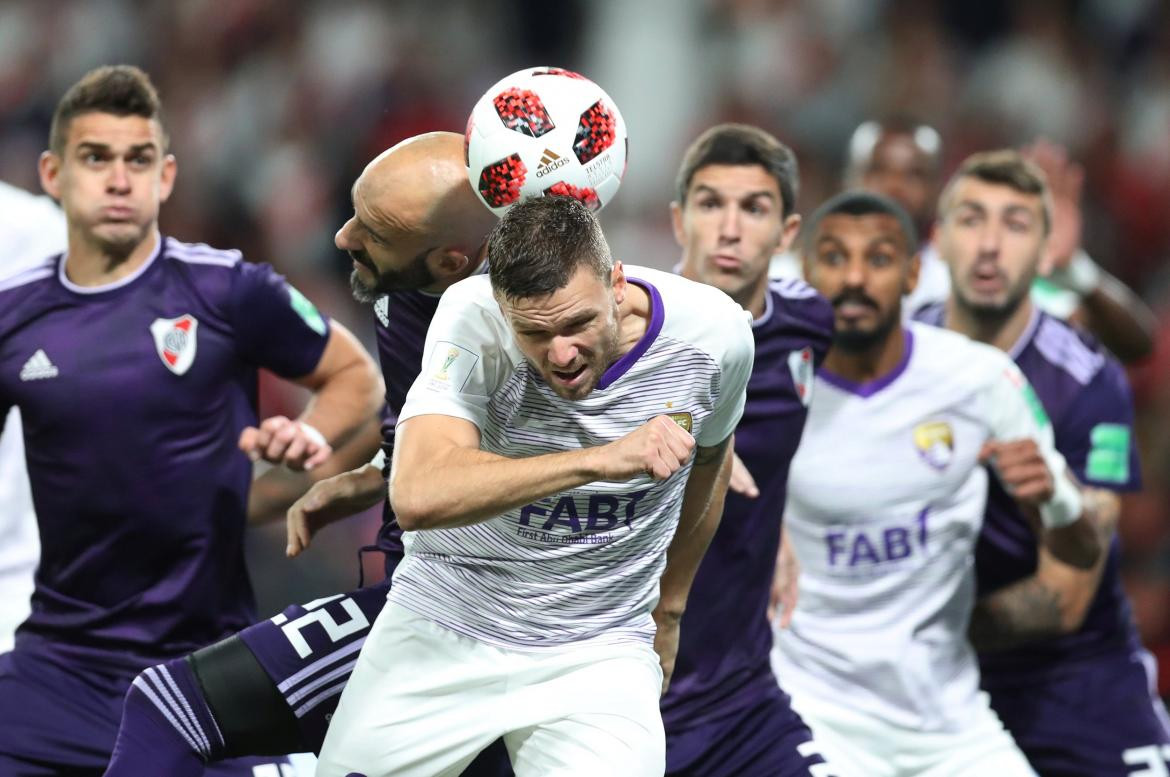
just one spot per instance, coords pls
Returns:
(1015, 413)
(735, 369)
(464, 360)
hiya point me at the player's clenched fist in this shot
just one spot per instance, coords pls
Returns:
(658, 448)
(284, 441)
(1021, 469)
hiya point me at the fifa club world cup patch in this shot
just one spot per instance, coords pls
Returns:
(450, 366)
(800, 364)
(935, 441)
(306, 310)
(174, 339)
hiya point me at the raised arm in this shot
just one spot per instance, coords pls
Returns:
(440, 478)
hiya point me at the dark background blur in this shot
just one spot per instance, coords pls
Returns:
(274, 107)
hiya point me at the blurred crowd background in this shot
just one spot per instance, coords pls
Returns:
(274, 107)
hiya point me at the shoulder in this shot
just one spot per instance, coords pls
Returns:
(1070, 350)
(795, 304)
(954, 355)
(931, 313)
(684, 300)
(201, 255)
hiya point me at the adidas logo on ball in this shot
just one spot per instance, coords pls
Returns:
(550, 161)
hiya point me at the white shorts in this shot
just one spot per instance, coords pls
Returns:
(423, 701)
(859, 745)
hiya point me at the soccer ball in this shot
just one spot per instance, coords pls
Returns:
(545, 130)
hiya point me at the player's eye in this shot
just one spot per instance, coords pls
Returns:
(881, 259)
(708, 203)
(832, 257)
(1018, 226)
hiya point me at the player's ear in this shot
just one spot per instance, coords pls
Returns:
(617, 279)
(676, 222)
(910, 283)
(49, 167)
(170, 168)
(448, 263)
(789, 232)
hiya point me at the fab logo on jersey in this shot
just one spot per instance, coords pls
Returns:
(174, 339)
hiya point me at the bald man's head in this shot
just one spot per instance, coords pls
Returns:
(417, 224)
(901, 159)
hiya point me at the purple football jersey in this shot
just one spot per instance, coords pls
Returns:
(133, 397)
(403, 320)
(1087, 397)
(723, 665)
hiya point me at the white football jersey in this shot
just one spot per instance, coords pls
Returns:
(32, 229)
(885, 502)
(582, 565)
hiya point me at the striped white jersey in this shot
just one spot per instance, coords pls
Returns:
(885, 502)
(581, 565)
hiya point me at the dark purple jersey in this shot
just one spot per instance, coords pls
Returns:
(723, 664)
(133, 397)
(1086, 395)
(403, 320)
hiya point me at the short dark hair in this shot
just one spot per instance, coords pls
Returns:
(742, 144)
(1005, 167)
(538, 245)
(861, 203)
(865, 139)
(123, 90)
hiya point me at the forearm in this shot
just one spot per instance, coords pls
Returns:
(699, 518)
(1054, 600)
(465, 486)
(1122, 321)
(277, 488)
(342, 405)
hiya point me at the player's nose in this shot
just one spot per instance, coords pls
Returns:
(729, 223)
(344, 237)
(562, 352)
(119, 177)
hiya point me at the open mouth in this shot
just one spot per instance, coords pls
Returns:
(568, 377)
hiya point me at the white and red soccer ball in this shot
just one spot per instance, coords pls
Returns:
(545, 130)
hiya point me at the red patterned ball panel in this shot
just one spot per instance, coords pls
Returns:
(582, 194)
(595, 132)
(500, 182)
(521, 110)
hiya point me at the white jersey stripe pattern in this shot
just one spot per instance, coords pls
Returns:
(582, 565)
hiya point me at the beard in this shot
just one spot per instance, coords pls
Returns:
(861, 340)
(606, 354)
(416, 275)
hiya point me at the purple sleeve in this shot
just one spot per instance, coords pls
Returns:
(276, 326)
(1096, 434)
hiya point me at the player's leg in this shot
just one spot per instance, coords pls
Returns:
(1104, 720)
(588, 711)
(983, 747)
(852, 743)
(422, 701)
(764, 738)
(268, 690)
(55, 718)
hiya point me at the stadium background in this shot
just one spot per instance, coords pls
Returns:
(274, 106)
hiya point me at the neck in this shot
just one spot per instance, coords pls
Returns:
(873, 363)
(1001, 331)
(633, 317)
(90, 264)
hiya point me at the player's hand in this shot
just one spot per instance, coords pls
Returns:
(782, 600)
(284, 441)
(741, 480)
(657, 448)
(1021, 470)
(666, 644)
(1066, 181)
(330, 500)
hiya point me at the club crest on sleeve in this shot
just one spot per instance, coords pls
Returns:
(382, 309)
(174, 339)
(800, 364)
(935, 441)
